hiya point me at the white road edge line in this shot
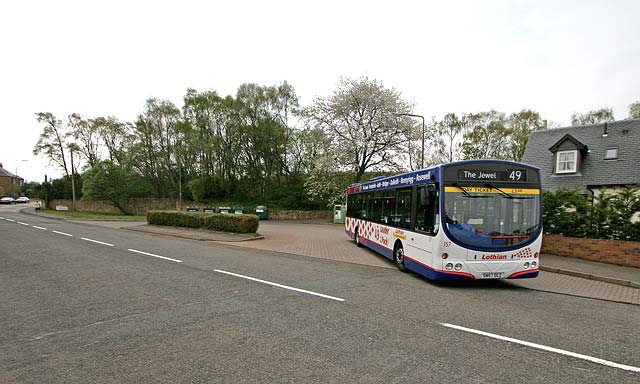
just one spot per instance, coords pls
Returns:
(35, 226)
(151, 254)
(21, 223)
(545, 348)
(11, 220)
(62, 233)
(280, 285)
(97, 242)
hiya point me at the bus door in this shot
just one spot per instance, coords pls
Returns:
(422, 242)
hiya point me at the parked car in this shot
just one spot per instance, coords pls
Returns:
(6, 200)
(22, 200)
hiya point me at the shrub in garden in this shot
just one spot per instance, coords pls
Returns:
(212, 221)
(605, 216)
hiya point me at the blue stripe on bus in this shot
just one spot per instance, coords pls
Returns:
(384, 251)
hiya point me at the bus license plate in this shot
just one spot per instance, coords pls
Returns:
(492, 275)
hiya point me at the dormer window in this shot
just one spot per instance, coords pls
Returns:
(611, 154)
(568, 154)
(566, 161)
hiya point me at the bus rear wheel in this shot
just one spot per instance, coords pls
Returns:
(398, 257)
(356, 237)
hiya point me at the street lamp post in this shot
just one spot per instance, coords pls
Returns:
(422, 117)
(18, 177)
(179, 165)
(180, 185)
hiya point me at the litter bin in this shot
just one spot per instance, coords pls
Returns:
(208, 210)
(192, 208)
(262, 212)
(224, 210)
(238, 210)
(339, 211)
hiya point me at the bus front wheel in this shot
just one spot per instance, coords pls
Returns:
(356, 236)
(398, 257)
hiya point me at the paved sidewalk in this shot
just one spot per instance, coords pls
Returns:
(610, 273)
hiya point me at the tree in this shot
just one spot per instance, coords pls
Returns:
(634, 110)
(450, 130)
(86, 137)
(155, 150)
(592, 117)
(360, 118)
(487, 136)
(53, 140)
(114, 183)
(521, 125)
(115, 136)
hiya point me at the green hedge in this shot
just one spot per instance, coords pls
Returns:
(610, 215)
(213, 221)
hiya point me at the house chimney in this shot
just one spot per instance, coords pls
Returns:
(0, 165)
(605, 133)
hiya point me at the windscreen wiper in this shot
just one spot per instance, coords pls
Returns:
(464, 193)
(503, 193)
(467, 194)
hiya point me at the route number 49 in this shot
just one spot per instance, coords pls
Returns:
(515, 175)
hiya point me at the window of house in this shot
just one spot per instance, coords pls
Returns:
(566, 161)
(611, 153)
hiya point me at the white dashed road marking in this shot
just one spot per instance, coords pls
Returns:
(35, 226)
(280, 285)
(97, 242)
(151, 254)
(11, 220)
(21, 223)
(545, 348)
(62, 233)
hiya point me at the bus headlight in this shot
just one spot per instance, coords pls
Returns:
(448, 267)
(458, 267)
(533, 264)
(526, 265)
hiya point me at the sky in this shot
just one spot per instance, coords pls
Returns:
(105, 58)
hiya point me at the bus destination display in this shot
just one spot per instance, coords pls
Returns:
(513, 175)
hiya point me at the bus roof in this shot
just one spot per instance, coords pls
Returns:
(430, 174)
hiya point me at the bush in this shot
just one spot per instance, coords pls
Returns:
(212, 221)
(605, 216)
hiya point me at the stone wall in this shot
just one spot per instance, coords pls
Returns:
(133, 206)
(618, 252)
(141, 206)
(300, 215)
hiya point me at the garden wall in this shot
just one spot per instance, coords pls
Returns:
(299, 215)
(142, 206)
(618, 252)
(133, 206)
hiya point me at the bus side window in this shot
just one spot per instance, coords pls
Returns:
(427, 208)
(403, 208)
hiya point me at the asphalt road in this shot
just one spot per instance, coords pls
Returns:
(76, 310)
